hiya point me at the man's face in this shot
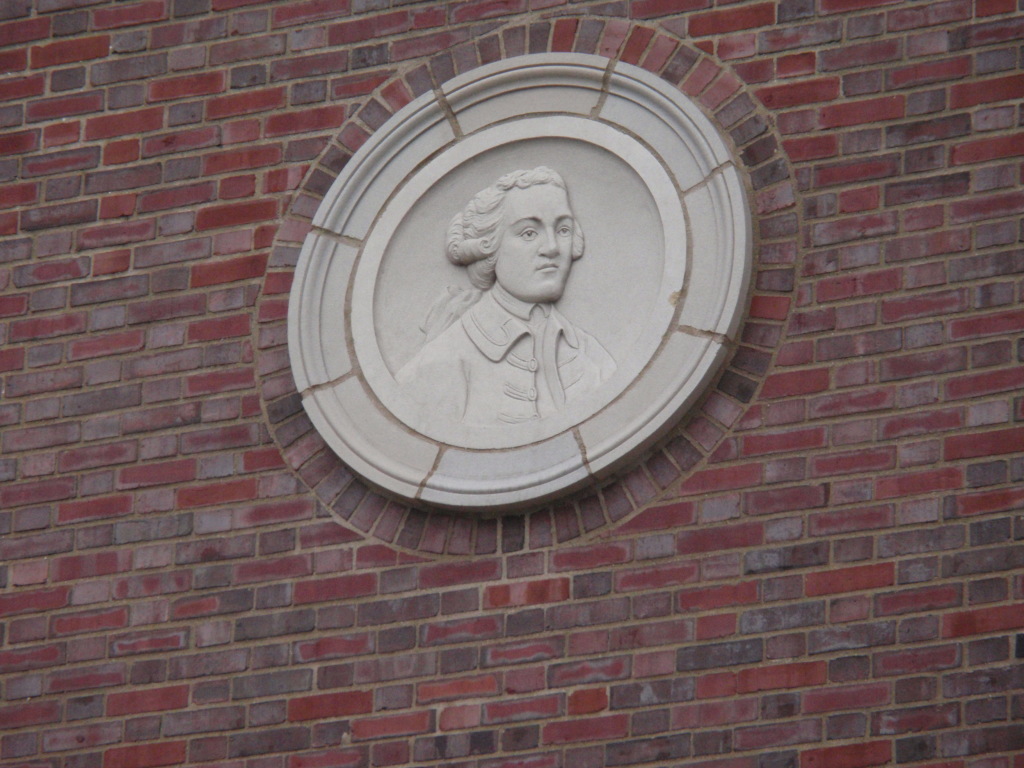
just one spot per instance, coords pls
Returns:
(535, 253)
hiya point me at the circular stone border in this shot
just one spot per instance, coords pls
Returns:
(700, 437)
(353, 399)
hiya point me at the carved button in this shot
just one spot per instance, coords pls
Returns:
(532, 364)
(532, 394)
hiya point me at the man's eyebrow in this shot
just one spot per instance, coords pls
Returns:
(536, 220)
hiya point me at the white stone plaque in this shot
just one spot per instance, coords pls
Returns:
(520, 282)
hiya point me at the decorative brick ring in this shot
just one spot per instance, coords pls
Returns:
(420, 527)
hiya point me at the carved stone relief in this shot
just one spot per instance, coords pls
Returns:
(499, 352)
(520, 282)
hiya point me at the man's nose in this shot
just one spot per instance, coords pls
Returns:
(549, 244)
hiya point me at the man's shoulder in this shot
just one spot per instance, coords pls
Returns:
(442, 353)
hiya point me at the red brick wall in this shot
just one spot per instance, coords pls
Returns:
(823, 567)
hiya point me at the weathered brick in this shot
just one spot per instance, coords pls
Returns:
(719, 655)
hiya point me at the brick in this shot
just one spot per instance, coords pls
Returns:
(914, 719)
(186, 86)
(837, 698)
(19, 143)
(982, 621)
(852, 171)
(64, 106)
(89, 457)
(181, 141)
(360, 30)
(61, 215)
(861, 55)
(339, 587)
(924, 305)
(203, 720)
(26, 30)
(799, 94)
(150, 700)
(101, 400)
(36, 492)
(129, 178)
(30, 714)
(459, 630)
(719, 655)
(176, 197)
(68, 51)
(928, 188)
(219, 382)
(971, 94)
(157, 473)
(773, 619)
(23, 659)
(104, 345)
(526, 593)
(859, 112)
(786, 558)
(781, 676)
(782, 442)
(236, 214)
(764, 736)
(521, 652)
(854, 579)
(335, 647)
(239, 159)
(533, 708)
(720, 479)
(316, 119)
(37, 600)
(851, 756)
(149, 642)
(580, 673)
(457, 689)
(47, 436)
(858, 401)
(129, 15)
(917, 600)
(83, 736)
(61, 162)
(984, 444)
(854, 228)
(321, 706)
(217, 493)
(706, 598)
(579, 558)
(987, 149)
(312, 10)
(796, 383)
(720, 537)
(584, 729)
(648, 9)
(390, 726)
(916, 661)
(272, 741)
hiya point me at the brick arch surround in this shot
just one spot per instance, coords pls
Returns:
(683, 456)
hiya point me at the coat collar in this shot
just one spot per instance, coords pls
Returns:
(493, 329)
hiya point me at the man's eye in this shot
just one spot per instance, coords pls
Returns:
(528, 234)
(565, 231)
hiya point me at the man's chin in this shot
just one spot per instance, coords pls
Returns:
(548, 296)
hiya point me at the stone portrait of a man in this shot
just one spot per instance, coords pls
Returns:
(501, 352)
